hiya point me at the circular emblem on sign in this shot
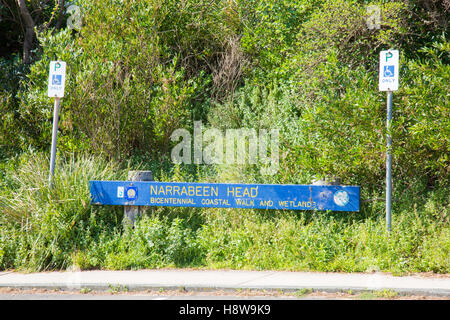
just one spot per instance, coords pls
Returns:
(341, 198)
(131, 194)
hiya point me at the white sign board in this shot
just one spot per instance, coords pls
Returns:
(389, 71)
(56, 79)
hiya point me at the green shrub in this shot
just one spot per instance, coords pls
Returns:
(329, 111)
(41, 226)
(136, 71)
(328, 241)
(140, 69)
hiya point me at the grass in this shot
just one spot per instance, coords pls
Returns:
(302, 292)
(114, 289)
(85, 290)
(377, 294)
(386, 293)
(45, 229)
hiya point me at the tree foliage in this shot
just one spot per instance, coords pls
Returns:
(138, 70)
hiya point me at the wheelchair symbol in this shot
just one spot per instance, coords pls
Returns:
(388, 71)
(56, 79)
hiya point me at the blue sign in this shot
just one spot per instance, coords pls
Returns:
(223, 195)
(131, 194)
(56, 79)
(388, 71)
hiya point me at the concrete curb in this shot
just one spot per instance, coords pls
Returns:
(229, 280)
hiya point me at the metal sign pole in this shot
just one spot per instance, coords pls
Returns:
(389, 162)
(388, 81)
(54, 138)
(56, 83)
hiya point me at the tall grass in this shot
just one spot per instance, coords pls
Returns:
(40, 225)
(42, 229)
(328, 241)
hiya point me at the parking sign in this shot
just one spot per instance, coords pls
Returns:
(389, 72)
(57, 79)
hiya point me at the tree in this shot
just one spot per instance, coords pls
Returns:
(19, 20)
(29, 30)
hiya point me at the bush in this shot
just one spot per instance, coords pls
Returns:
(131, 81)
(330, 241)
(41, 226)
(12, 72)
(329, 111)
(140, 69)
(46, 229)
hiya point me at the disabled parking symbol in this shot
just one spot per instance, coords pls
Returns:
(388, 71)
(56, 79)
